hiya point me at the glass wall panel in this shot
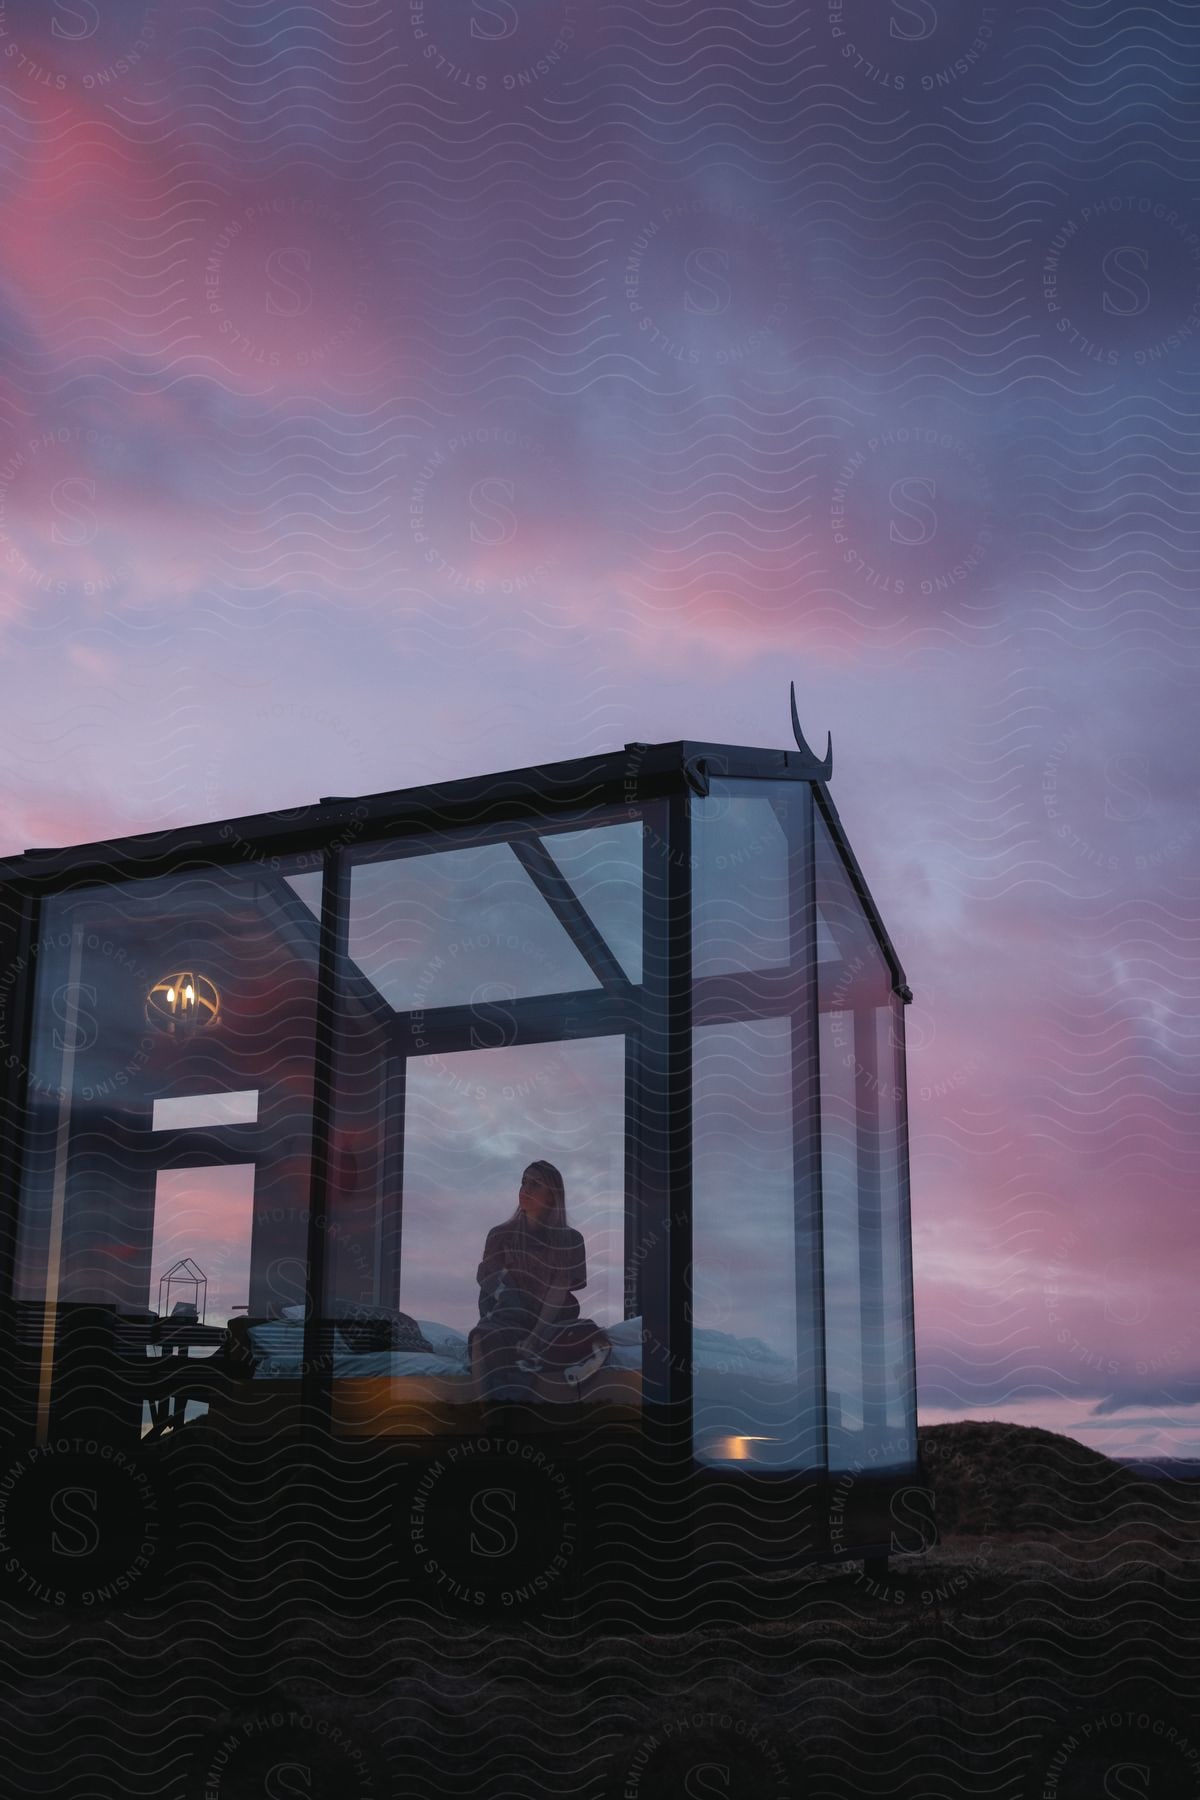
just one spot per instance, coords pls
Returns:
(604, 866)
(896, 1324)
(451, 927)
(863, 1179)
(152, 1000)
(203, 1220)
(489, 1008)
(755, 1296)
(754, 1401)
(840, 1210)
(473, 1121)
(740, 894)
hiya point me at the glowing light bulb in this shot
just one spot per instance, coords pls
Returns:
(182, 1001)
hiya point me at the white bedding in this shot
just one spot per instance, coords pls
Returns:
(280, 1347)
(396, 1362)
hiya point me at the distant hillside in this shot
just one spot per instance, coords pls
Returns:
(1163, 1468)
(988, 1476)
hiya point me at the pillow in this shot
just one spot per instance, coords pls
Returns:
(364, 1329)
(408, 1363)
(278, 1346)
(278, 1337)
(363, 1336)
(445, 1339)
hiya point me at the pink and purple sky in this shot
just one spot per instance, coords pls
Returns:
(395, 390)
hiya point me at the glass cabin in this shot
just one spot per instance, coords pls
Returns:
(306, 1056)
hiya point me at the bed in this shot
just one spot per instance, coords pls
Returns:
(745, 1391)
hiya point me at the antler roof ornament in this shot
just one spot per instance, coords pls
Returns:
(824, 767)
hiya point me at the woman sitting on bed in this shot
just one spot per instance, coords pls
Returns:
(532, 1266)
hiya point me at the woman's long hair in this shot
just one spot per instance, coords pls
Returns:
(552, 1181)
(535, 1260)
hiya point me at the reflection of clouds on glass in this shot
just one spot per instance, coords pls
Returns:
(472, 1124)
(758, 1244)
(867, 1326)
(604, 868)
(754, 1368)
(744, 1232)
(839, 1198)
(106, 1210)
(754, 1398)
(453, 927)
(308, 886)
(247, 932)
(740, 884)
(205, 1214)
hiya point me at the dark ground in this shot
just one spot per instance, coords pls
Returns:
(1047, 1647)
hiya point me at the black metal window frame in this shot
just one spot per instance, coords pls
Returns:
(652, 1017)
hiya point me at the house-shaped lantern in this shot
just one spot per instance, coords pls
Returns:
(660, 971)
(183, 1292)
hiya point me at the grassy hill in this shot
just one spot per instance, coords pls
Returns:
(991, 1477)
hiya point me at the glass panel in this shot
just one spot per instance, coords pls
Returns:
(203, 1223)
(740, 908)
(308, 886)
(754, 1295)
(453, 927)
(473, 1122)
(200, 1256)
(164, 990)
(839, 1204)
(895, 1321)
(867, 1304)
(750, 1404)
(827, 950)
(604, 868)
(486, 1004)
